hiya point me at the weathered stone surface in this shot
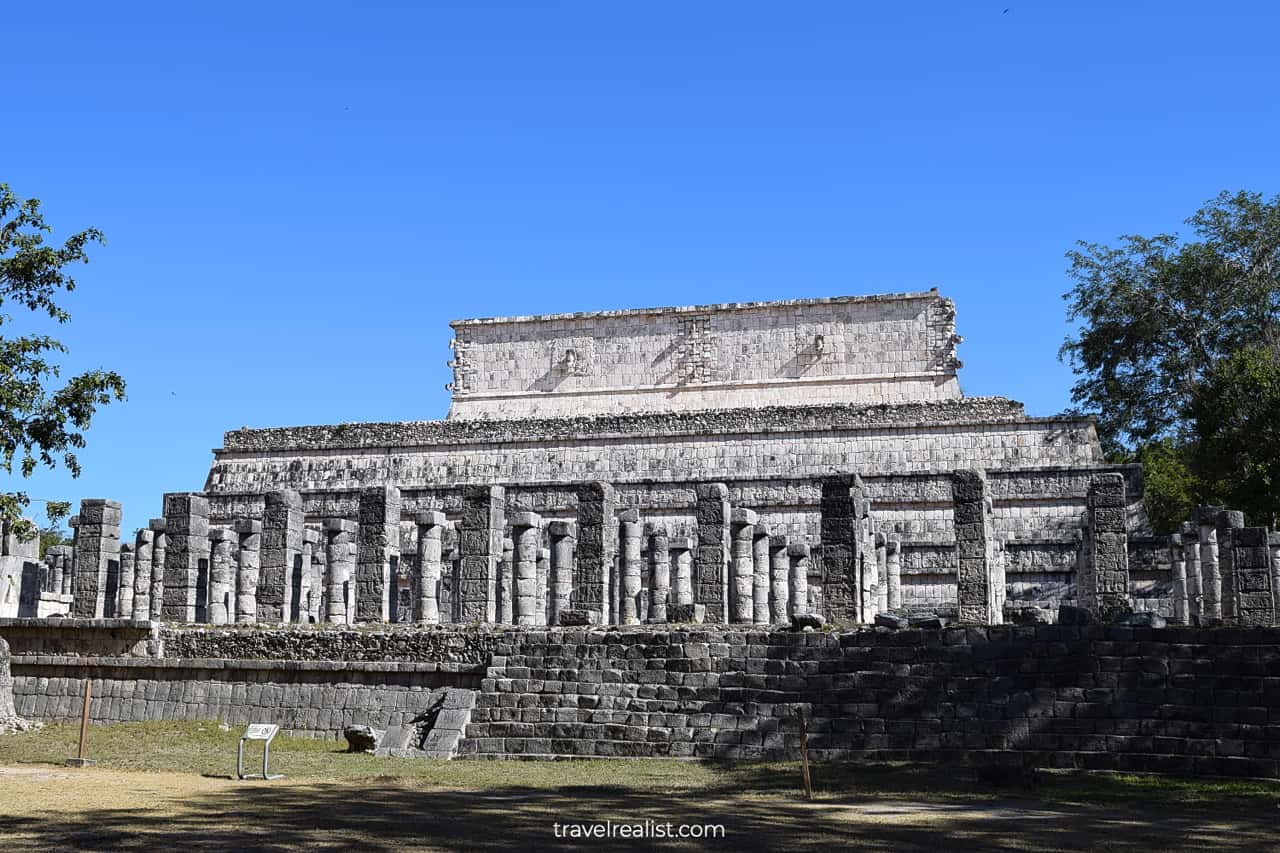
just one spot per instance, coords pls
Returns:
(578, 616)
(362, 738)
(891, 620)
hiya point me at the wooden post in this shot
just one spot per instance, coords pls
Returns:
(80, 760)
(804, 755)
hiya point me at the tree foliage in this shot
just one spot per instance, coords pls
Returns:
(1157, 315)
(1171, 335)
(1236, 448)
(42, 420)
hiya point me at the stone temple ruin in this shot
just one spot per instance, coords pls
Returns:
(708, 474)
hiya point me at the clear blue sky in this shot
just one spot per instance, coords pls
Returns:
(298, 197)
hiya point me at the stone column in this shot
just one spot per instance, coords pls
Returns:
(882, 572)
(480, 547)
(843, 511)
(340, 561)
(893, 572)
(222, 578)
(159, 555)
(798, 554)
(597, 547)
(1103, 587)
(57, 568)
(97, 559)
(506, 582)
(1226, 523)
(1274, 543)
(544, 573)
(1178, 570)
(248, 569)
(186, 517)
(320, 576)
(378, 553)
(449, 563)
(976, 574)
(562, 535)
(760, 575)
(69, 576)
(631, 530)
(430, 531)
(659, 573)
(682, 559)
(282, 525)
(1248, 594)
(124, 606)
(779, 583)
(742, 528)
(308, 589)
(526, 533)
(711, 556)
(1191, 562)
(142, 570)
(1206, 518)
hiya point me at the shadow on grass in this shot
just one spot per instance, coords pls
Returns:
(391, 814)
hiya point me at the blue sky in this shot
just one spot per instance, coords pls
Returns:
(298, 197)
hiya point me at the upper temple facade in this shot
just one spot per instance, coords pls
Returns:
(849, 349)
(767, 398)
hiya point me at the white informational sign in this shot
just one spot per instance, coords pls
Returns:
(261, 731)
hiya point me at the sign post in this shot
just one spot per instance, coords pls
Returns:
(263, 732)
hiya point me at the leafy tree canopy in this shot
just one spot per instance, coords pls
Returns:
(1176, 342)
(42, 420)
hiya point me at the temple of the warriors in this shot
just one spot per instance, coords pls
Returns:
(664, 532)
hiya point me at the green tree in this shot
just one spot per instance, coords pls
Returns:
(1235, 452)
(1161, 324)
(42, 420)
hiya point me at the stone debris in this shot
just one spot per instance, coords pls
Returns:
(363, 738)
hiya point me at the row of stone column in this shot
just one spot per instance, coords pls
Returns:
(1223, 570)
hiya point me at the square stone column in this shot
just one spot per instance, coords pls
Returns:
(980, 601)
(1249, 582)
(248, 569)
(597, 548)
(842, 549)
(186, 517)
(480, 547)
(97, 559)
(1103, 585)
(282, 525)
(711, 558)
(506, 582)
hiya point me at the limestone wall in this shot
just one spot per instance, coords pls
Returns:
(1178, 700)
(879, 348)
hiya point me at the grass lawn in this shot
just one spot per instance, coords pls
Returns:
(162, 785)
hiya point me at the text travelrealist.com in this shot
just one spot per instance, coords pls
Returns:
(646, 829)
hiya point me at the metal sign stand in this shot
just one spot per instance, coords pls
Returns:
(263, 732)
